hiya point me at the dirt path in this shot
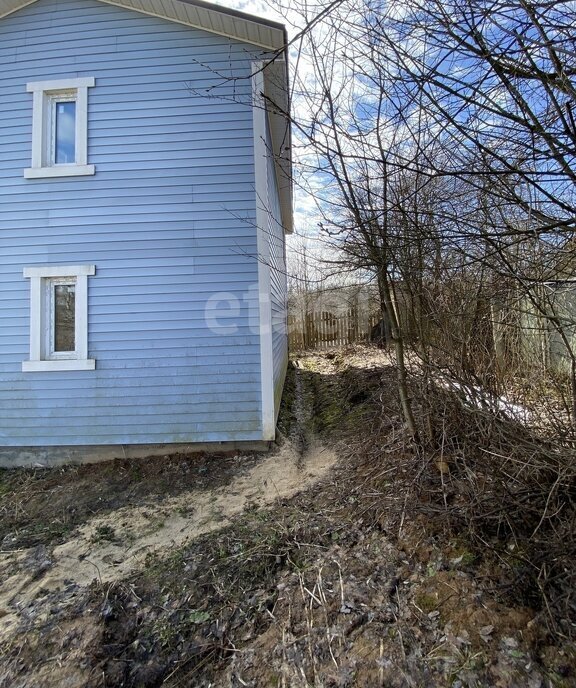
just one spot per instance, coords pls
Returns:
(111, 546)
(330, 587)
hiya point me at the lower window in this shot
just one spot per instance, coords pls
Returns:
(59, 318)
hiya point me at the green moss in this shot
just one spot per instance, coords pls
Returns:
(426, 602)
(104, 534)
(287, 415)
(463, 557)
(461, 553)
(198, 617)
(5, 482)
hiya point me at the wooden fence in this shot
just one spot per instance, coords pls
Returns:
(326, 330)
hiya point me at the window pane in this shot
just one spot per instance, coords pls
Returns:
(65, 132)
(64, 312)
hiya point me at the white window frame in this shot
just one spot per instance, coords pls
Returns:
(45, 94)
(42, 358)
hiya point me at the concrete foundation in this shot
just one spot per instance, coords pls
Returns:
(49, 457)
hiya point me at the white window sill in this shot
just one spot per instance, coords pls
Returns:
(59, 171)
(64, 364)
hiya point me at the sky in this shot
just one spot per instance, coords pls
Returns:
(305, 211)
(260, 8)
(307, 217)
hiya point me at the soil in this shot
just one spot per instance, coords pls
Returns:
(110, 546)
(307, 566)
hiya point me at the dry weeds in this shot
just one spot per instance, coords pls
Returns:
(395, 571)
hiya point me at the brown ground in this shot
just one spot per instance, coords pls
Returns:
(289, 569)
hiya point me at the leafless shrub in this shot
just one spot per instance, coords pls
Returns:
(507, 488)
(511, 491)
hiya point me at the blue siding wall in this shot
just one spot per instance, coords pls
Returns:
(168, 220)
(278, 281)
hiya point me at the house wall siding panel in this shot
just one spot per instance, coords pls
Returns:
(168, 220)
(278, 279)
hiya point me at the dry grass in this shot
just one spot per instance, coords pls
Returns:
(399, 570)
(513, 492)
(507, 488)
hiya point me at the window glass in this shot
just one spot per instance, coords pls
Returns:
(65, 132)
(64, 304)
(58, 318)
(60, 128)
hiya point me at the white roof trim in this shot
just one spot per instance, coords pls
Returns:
(198, 14)
(278, 106)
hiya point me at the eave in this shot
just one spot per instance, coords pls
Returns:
(278, 106)
(266, 34)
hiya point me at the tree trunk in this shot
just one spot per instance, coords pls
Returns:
(386, 299)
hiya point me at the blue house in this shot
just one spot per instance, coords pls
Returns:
(144, 200)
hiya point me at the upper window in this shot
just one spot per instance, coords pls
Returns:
(60, 128)
(59, 318)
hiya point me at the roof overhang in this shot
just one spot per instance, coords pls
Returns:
(198, 14)
(278, 106)
(214, 18)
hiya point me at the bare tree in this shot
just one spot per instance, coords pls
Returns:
(445, 138)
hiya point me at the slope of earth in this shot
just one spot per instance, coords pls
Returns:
(291, 569)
